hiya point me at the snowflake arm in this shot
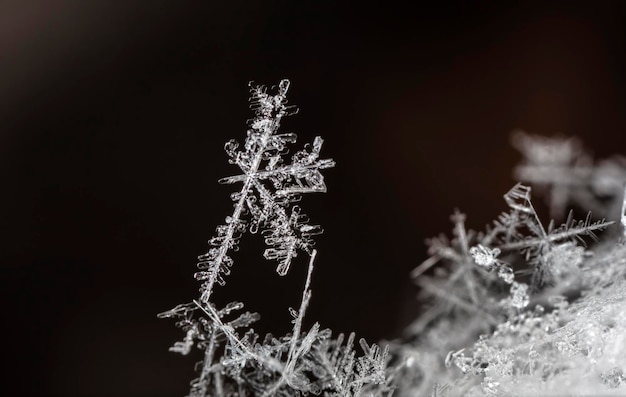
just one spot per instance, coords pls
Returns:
(569, 230)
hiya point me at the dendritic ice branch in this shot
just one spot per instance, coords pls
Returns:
(294, 365)
(236, 361)
(524, 307)
(473, 269)
(269, 189)
(545, 250)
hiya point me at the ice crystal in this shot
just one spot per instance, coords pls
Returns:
(270, 186)
(613, 378)
(484, 256)
(519, 295)
(475, 290)
(473, 268)
(236, 361)
(557, 165)
(572, 346)
(567, 173)
(299, 363)
(461, 285)
(517, 309)
(521, 230)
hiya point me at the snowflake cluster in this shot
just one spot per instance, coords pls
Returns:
(237, 362)
(518, 308)
(499, 313)
(469, 281)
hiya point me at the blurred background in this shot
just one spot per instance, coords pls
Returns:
(113, 117)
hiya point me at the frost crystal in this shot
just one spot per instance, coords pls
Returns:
(614, 377)
(473, 268)
(506, 274)
(269, 188)
(484, 330)
(519, 295)
(561, 168)
(460, 286)
(555, 164)
(484, 256)
(474, 290)
(521, 230)
(236, 361)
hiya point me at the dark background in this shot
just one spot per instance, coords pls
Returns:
(113, 117)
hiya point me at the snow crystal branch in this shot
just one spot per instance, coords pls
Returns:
(299, 363)
(269, 188)
(478, 300)
(471, 266)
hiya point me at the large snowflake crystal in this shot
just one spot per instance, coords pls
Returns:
(270, 187)
(544, 249)
(236, 362)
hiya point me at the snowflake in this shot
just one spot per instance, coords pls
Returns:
(240, 364)
(269, 189)
(561, 168)
(521, 230)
